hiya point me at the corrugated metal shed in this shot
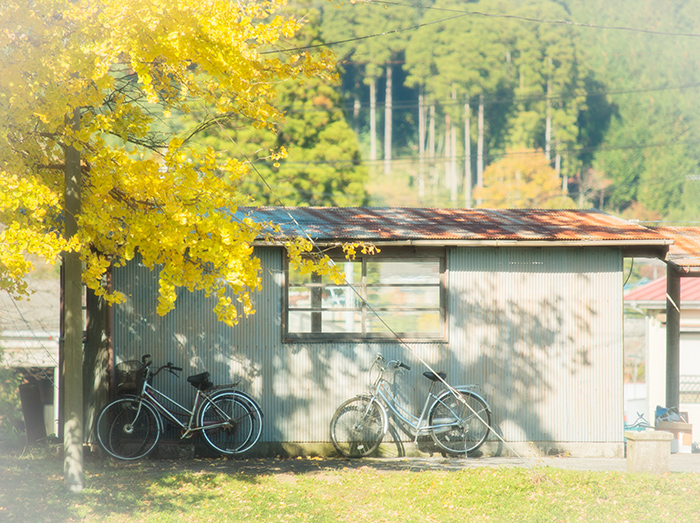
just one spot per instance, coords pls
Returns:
(450, 225)
(684, 254)
(534, 316)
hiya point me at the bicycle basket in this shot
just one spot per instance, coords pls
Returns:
(129, 377)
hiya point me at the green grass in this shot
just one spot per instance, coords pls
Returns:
(32, 489)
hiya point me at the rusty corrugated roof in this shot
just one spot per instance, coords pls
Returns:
(684, 254)
(477, 225)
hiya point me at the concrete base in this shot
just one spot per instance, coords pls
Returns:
(648, 451)
(394, 449)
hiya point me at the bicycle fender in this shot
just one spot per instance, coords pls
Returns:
(465, 390)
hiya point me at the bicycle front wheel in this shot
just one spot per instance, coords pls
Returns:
(128, 428)
(459, 424)
(358, 427)
(228, 424)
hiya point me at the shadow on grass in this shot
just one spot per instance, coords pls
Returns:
(32, 487)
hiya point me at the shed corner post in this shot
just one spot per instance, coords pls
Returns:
(673, 336)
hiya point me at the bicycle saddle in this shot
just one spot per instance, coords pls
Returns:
(201, 381)
(435, 376)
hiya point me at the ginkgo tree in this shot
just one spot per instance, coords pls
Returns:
(127, 68)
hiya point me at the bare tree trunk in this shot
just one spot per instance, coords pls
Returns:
(564, 179)
(447, 153)
(480, 147)
(388, 114)
(548, 125)
(467, 159)
(356, 115)
(453, 156)
(373, 120)
(421, 143)
(431, 148)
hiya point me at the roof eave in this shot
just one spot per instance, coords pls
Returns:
(653, 248)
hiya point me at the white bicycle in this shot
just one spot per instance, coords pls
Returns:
(229, 420)
(457, 421)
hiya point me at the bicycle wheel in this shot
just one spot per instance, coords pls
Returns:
(257, 417)
(128, 428)
(459, 426)
(228, 424)
(358, 427)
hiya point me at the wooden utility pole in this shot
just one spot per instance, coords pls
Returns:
(72, 335)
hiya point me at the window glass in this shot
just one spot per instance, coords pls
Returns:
(378, 297)
(401, 322)
(404, 297)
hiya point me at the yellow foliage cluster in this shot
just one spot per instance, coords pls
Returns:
(125, 66)
(523, 179)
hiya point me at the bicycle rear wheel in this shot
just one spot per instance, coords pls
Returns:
(459, 426)
(228, 424)
(257, 417)
(358, 427)
(128, 428)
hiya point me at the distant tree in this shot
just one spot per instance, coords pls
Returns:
(529, 77)
(349, 23)
(649, 151)
(320, 162)
(522, 179)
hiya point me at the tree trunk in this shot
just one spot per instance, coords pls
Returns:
(548, 125)
(467, 159)
(72, 327)
(356, 115)
(448, 153)
(453, 156)
(480, 147)
(373, 120)
(431, 148)
(388, 115)
(421, 143)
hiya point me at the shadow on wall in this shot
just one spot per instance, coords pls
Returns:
(544, 352)
(536, 349)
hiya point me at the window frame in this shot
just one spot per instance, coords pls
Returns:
(387, 254)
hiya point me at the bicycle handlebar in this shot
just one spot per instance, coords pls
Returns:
(394, 363)
(168, 366)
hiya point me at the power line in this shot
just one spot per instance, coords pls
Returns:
(498, 155)
(462, 13)
(446, 102)
(539, 20)
(359, 38)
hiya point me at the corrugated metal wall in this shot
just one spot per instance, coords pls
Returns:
(542, 330)
(539, 329)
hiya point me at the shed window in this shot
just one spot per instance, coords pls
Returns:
(382, 297)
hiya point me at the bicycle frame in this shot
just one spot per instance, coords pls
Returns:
(418, 424)
(155, 399)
